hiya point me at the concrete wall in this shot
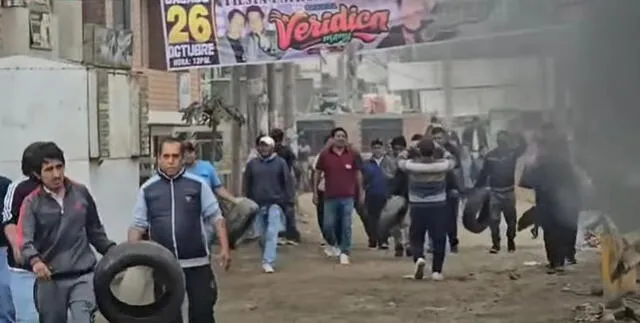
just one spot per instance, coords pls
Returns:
(477, 85)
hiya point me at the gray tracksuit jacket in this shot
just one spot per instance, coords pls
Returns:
(60, 233)
(175, 210)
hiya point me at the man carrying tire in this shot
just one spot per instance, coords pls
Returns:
(173, 205)
(7, 312)
(22, 279)
(498, 173)
(58, 223)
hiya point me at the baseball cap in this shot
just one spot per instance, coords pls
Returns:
(267, 141)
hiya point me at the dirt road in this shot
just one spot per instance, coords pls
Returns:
(478, 287)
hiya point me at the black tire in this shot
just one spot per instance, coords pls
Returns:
(392, 214)
(527, 219)
(476, 216)
(144, 253)
(240, 218)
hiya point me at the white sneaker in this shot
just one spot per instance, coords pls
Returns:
(437, 277)
(330, 251)
(344, 259)
(419, 269)
(268, 268)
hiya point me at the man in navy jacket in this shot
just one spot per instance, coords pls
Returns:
(376, 183)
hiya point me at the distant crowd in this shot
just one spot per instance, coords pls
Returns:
(408, 192)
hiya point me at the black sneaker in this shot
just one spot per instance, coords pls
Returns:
(372, 244)
(399, 251)
(383, 246)
(407, 252)
(511, 246)
(494, 250)
(572, 260)
(454, 249)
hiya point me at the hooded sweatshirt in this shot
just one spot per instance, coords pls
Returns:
(267, 181)
(427, 180)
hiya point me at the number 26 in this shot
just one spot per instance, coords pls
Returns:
(196, 21)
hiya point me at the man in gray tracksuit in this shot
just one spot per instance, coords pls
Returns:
(58, 223)
(174, 207)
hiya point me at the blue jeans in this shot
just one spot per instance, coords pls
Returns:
(7, 311)
(269, 222)
(338, 212)
(22, 290)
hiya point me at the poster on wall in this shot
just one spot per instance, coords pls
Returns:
(40, 30)
(208, 33)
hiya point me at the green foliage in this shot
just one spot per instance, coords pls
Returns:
(211, 111)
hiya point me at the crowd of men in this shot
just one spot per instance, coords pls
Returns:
(50, 222)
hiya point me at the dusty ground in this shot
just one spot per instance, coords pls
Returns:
(479, 287)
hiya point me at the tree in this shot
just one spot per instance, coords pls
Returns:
(210, 112)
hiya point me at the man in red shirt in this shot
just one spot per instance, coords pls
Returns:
(341, 167)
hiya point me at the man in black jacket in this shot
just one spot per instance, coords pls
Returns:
(7, 311)
(22, 279)
(498, 173)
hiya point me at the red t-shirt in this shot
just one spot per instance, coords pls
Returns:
(340, 172)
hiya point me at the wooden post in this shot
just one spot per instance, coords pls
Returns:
(611, 250)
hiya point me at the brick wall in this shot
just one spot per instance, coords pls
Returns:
(94, 12)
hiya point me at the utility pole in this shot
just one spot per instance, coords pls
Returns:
(257, 102)
(342, 82)
(274, 84)
(351, 79)
(447, 86)
(237, 146)
(289, 74)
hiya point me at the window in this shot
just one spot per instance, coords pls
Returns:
(313, 132)
(121, 14)
(378, 128)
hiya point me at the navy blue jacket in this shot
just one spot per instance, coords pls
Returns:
(376, 182)
(175, 210)
(267, 181)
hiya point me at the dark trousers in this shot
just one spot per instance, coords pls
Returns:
(431, 218)
(202, 293)
(505, 204)
(558, 244)
(453, 203)
(291, 229)
(374, 205)
(320, 217)
(559, 233)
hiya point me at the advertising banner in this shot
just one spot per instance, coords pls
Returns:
(207, 33)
